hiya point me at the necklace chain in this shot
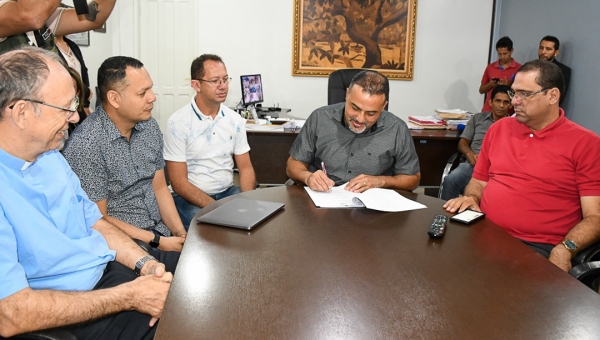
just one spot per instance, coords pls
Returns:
(69, 54)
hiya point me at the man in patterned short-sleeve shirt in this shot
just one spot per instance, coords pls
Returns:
(117, 154)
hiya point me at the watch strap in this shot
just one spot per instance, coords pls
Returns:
(155, 241)
(141, 262)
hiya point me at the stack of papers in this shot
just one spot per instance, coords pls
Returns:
(375, 199)
(426, 122)
(454, 114)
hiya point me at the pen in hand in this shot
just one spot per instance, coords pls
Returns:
(323, 168)
(325, 172)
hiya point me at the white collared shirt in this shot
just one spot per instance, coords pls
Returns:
(207, 145)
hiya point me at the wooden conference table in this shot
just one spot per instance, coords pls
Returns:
(309, 273)
(269, 151)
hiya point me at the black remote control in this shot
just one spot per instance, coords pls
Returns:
(438, 226)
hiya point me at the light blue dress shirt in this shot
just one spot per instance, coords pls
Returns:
(46, 240)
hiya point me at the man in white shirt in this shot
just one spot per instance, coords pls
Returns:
(200, 140)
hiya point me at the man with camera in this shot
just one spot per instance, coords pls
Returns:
(35, 23)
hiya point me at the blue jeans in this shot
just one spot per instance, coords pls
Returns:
(456, 182)
(187, 210)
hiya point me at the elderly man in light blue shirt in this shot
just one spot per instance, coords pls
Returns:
(61, 264)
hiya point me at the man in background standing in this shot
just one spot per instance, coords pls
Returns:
(548, 50)
(501, 72)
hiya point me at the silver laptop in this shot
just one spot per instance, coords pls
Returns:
(241, 213)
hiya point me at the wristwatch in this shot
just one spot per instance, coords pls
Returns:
(141, 262)
(570, 245)
(155, 241)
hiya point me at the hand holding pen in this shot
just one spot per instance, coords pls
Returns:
(318, 180)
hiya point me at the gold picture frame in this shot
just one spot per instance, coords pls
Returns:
(334, 34)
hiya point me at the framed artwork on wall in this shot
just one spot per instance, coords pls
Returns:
(334, 34)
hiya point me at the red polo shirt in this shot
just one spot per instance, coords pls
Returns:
(495, 70)
(535, 178)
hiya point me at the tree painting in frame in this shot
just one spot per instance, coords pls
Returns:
(335, 34)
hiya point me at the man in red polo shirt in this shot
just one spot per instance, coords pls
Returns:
(501, 72)
(538, 173)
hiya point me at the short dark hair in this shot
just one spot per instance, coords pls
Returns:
(197, 70)
(549, 75)
(504, 42)
(553, 39)
(372, 82)
(23, 72)
(112, 72)
(500, 89)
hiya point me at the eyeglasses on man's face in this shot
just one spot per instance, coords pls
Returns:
(217, 82)
(70, 111)
(523, 95)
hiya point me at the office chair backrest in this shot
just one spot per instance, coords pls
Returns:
(338, 84)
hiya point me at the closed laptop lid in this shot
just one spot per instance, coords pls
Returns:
(241, 213)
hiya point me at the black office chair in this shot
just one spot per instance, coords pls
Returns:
(338, 84)
(587, 273)
(451, 164)
(586, 266)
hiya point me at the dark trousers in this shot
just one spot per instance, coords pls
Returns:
(129, 325)
(543, 249)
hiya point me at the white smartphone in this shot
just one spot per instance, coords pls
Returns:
(467, 216)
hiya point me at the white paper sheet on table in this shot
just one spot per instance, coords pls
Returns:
(375, 199)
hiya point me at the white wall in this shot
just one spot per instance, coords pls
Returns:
(256, 37)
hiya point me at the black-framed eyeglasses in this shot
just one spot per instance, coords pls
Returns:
(216, 82)
(70, 111)
(523, 95)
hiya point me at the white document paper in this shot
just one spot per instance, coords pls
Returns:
(376, 199)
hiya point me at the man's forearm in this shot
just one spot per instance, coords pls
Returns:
(191, 193)
(464, 147)
(586, 232)
(247, 179)
(130, 230)
(29, 310)
(484, 88)
(128, 252)
(25, 15)
(168, 211)
(297, 171)
(70, 22)
(401, 182)
(475, 190)
(99, 10)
